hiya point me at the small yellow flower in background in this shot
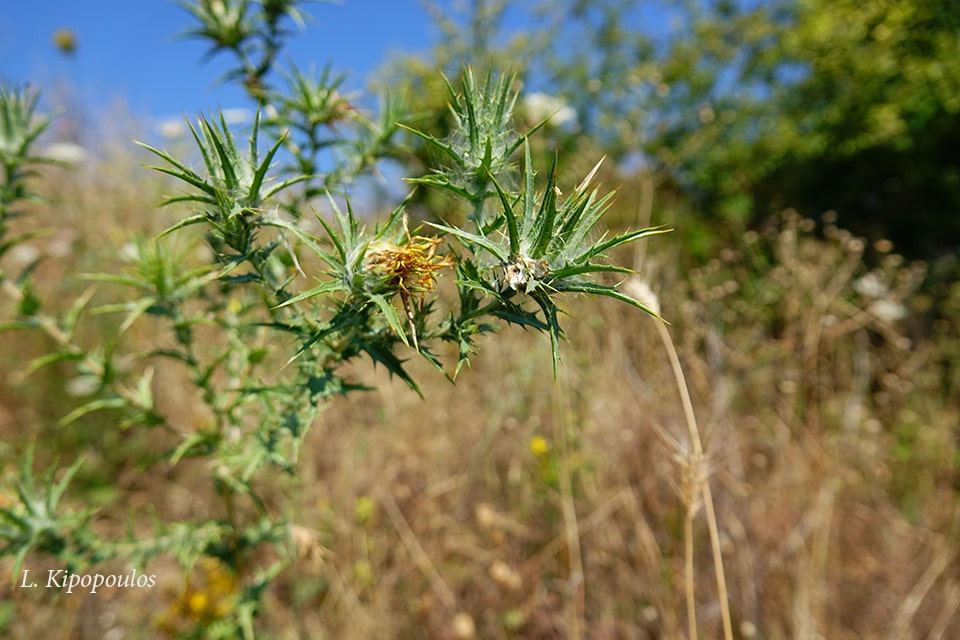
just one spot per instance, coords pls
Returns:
(364, 509)
(65, 40)
(539, 445)
(197, 603)
(210, 594)
(235, 306)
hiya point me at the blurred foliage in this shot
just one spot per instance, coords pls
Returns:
(746, 108)
(857, 109)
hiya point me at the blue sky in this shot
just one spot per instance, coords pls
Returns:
(129, 53)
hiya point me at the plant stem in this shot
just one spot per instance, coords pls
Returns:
(688, 574)
(575, 583)
(697, 445)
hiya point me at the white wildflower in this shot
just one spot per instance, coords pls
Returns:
(237, 115)
(870, 286)
(82, 386)
(23, 254)
(172, 128)
(66, 152)
(888, 310)
(130, 252)
(540, 106)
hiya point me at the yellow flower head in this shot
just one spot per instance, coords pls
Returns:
(539, 445)
(65, 40)
(409, 267)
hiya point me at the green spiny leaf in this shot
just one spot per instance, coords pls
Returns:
(547, 215)
(391, 315)
(513, 230)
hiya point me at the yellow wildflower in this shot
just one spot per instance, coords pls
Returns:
(539, 445)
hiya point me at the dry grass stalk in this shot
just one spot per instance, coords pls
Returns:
(420, 557)
(575, 584)
(694, 475)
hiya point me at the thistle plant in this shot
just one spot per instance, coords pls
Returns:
(535, 243)
(253, 31)
(330, 141)
(283, 305)
(20, 127)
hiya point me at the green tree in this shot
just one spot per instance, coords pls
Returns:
(746, 108)
(860, 113)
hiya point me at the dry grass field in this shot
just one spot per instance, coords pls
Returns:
(516, 505)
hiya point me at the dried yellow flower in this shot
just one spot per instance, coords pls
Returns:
(410, 267)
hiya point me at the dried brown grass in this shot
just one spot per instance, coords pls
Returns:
(828, 446)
